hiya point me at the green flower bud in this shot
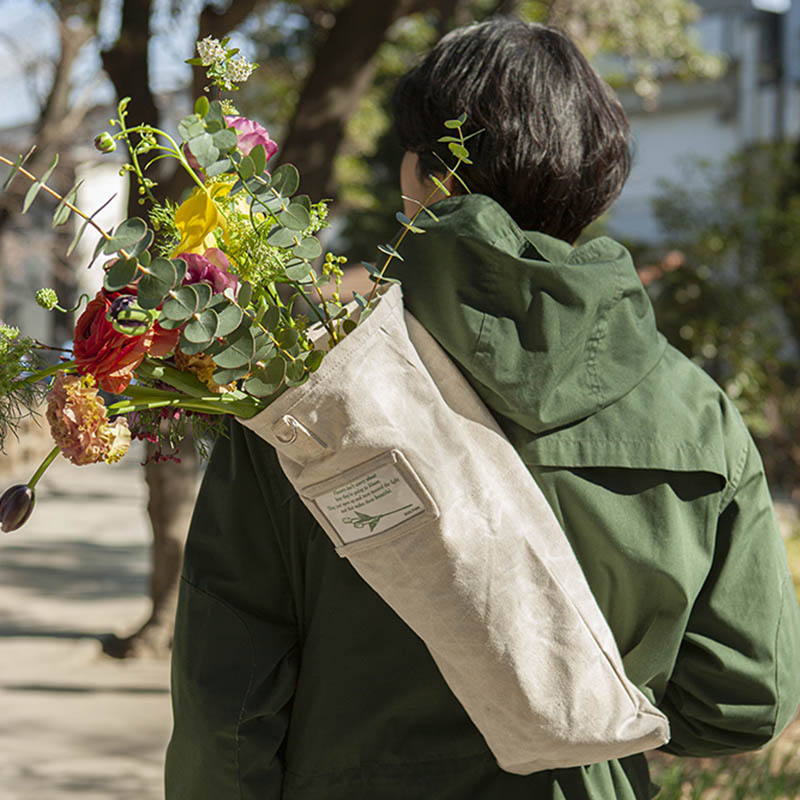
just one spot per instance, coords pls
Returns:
(105, 143)
(47, 298)
(16, 505)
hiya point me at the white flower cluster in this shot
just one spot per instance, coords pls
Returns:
(239, 69)
(210, 51)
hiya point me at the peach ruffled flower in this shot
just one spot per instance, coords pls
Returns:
(79, 422)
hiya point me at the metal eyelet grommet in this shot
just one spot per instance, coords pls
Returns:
(287, 436)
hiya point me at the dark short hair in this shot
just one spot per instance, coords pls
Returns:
(555, 151)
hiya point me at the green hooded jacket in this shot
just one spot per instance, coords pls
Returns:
(292, 679)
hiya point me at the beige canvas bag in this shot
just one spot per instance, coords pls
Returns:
(411, 478)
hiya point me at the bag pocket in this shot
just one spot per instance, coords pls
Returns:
(375, 502)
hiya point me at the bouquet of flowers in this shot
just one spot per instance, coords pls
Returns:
(196, 315)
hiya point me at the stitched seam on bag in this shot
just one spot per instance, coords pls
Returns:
(233, 611)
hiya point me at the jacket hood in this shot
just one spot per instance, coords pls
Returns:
(547, 333)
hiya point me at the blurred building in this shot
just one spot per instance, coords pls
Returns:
(756, 100)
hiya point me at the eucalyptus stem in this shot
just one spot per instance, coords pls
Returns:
(49, 458)
(450, 171)
(61, 199)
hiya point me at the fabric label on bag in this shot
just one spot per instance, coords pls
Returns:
(371, 499)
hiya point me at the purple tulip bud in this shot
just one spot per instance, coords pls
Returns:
(16, 505)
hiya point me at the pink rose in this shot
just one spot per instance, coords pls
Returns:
(211, 268)
(251, 134)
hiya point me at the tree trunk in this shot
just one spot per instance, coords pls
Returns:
(172, 491)
(344, 66)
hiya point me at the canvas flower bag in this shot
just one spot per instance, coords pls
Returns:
(413, 481)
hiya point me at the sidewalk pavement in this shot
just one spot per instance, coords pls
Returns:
(73, 722)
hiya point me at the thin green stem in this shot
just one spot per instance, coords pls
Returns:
(66, 366)
(43, 467)
(175, 151)
(142, 398)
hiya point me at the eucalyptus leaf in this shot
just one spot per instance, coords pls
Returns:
(215, 112)
(274, 204)
(229, 318)
(37, 185)
(313, 360)
(14, 170)
(226, 376)
(304, 200)
(271, 318)
(299, 272)
(239, 351)
(259, 157)
(458, 150)
(62, 212)
(348, 326)
(120, 274)
(264, 183)
(288, 338)
(204, 292)
(202, 327)
(440, 186)
(295, 218)
(264, 351)
(190, 127)
(286, 180)
(226, 140)
(295, 371)
(127, 234)
(281, 237)
(169, 324)
(180, 270)
(201, 106)
(74, 243)
(245, 294)
(309, 248)
(267, 381)
(246, 168)
(142, 245)
(182, 304)
(157, 280)
(145, 258)
(193, 348)
(218, 168)
(390, 251)
(203, 149)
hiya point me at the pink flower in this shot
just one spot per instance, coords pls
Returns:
(251, 134)
(211, 268)
(79, 423)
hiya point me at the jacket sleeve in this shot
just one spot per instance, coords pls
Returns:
(736, 682)
(235, 650)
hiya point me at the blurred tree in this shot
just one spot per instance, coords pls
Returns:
(734, 303)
